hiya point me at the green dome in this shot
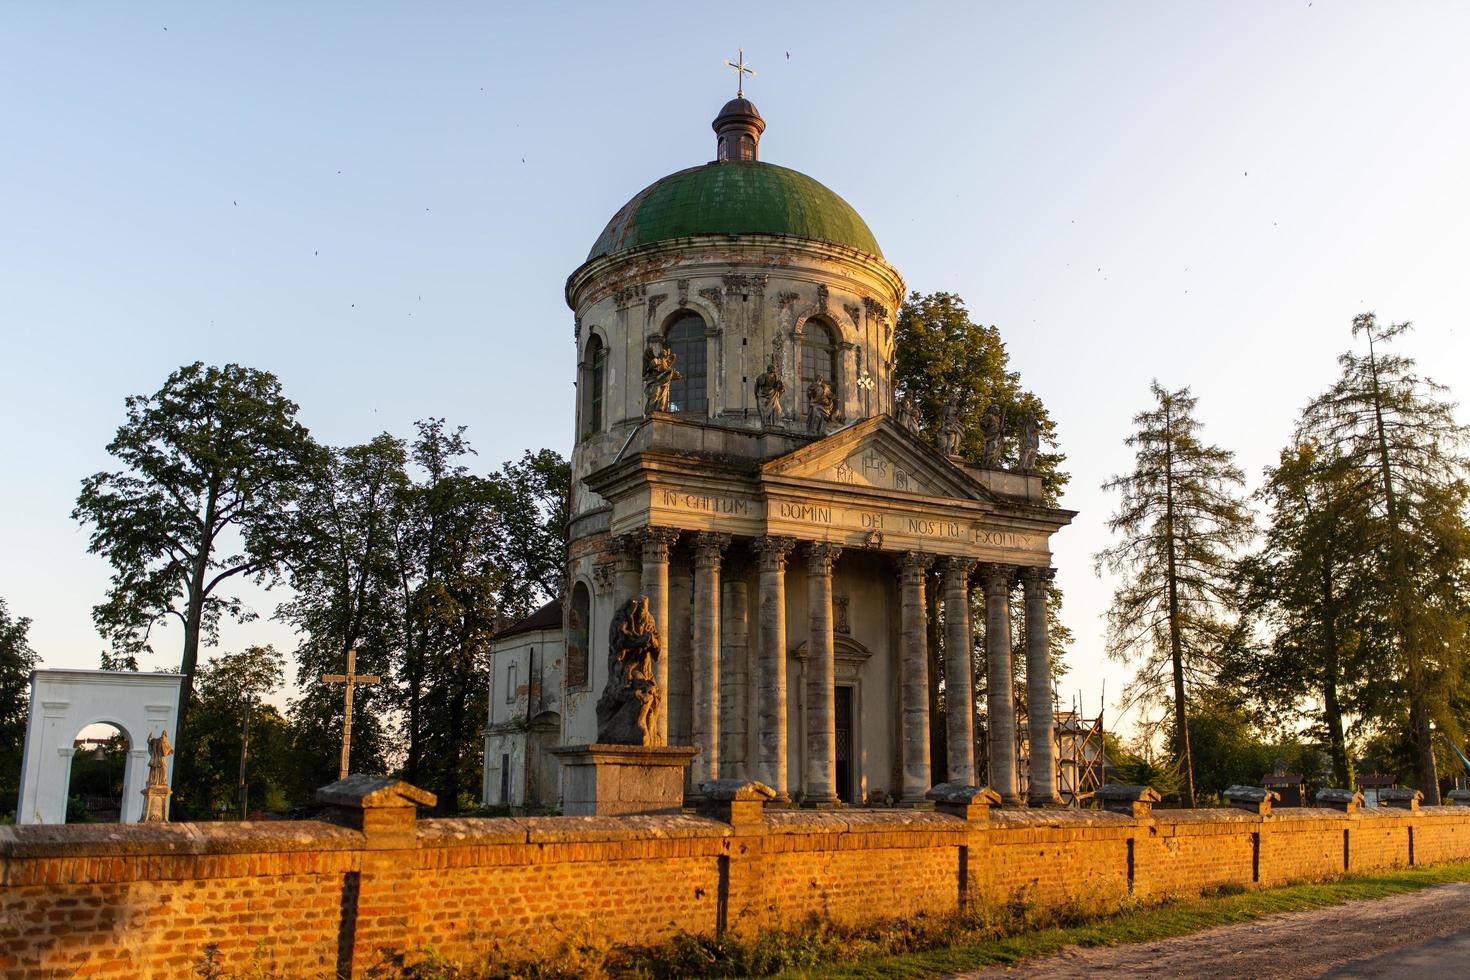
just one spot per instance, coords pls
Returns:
(733, 197)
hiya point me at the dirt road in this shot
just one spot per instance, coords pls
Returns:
(1419, 934)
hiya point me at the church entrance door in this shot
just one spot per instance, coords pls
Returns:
(842, 703)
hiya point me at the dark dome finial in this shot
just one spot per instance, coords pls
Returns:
(738, 130)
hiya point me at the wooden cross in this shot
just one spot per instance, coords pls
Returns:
(741, 70)
(351, 679)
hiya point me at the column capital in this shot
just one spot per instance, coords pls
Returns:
(772, 549)
(912, 563)
(626, 545)
(958, 568)
(999, 579)
(656, 541)
(1034, 576)
(604, 574)
(820, 555)
(707, 547)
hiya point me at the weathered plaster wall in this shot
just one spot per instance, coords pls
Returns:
(312, 898)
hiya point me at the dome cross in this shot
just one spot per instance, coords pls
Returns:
(741, 70)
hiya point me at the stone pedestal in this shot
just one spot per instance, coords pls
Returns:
(155, 803)
(622, 780)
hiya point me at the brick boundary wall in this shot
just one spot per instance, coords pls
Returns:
(319, 898)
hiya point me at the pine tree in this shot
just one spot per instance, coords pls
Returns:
(1401, 447)
(1182, 518)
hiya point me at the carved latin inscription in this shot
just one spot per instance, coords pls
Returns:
(708, 503)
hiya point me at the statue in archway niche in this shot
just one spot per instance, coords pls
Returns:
(821, 407)
(769, 388)
(992, 428)
(627, 712)
(659, 375)
(1028, 441)
(950, 430)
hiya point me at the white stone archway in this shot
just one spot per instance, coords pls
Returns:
(63, 702)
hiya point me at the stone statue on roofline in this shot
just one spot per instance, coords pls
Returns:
(951, 432)
(659, 375)
(1028, 441)
(908, 413)
(627, 712)
(992, 427)
(769, 387)
(821, 407)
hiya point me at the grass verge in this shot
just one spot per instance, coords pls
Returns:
(1164, 920)
(921, 945)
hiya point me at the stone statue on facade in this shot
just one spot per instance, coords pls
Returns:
(1028, 441)
(769, 387)
(908, 414)
(627, 712)
(950, 430)
(659, 376)
(156, 791)
(821, 407)
(992, 428)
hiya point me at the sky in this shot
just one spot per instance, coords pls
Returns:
(380, 203)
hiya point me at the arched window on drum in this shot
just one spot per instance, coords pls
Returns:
(594, 381)
(578, 627)
(818, 354)
(686, 336)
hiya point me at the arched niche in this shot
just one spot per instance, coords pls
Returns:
(62, 704)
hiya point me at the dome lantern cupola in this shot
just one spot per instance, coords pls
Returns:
(738, 130)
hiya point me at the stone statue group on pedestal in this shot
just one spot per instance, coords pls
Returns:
(627, 712)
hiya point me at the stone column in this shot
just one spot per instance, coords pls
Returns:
(821, 711)
(914, 678)
(704, 724)
(627, 571)
(771, 758)
(1000, 700)
(656, 542)
(959, 690)
(1040, 722)
(734, 674)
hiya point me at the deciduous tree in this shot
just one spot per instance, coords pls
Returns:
(17, 660)
(212, 465)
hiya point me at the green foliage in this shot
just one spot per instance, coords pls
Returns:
(1399, 455)
(1312, 586)
(411, 559)
(1182, 520)
(17, 660)
(230, 716)
(212, 463)
(940, 352)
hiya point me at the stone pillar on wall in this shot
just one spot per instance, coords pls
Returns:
(734, 673)
(771, 758)
(1041, 727)
(656, 544)
(959, 696)
(821, 713)
(1000, 699)
(914, 678)
(704, 727)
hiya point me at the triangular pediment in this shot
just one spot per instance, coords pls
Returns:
(878, 454)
